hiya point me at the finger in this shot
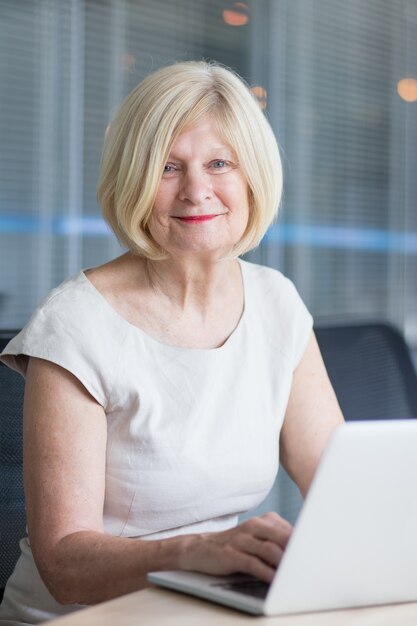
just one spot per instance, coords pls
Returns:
(270, 553)
(247, 564)
(275, 518)
(267, 551)
(278, 522)
(265, 529)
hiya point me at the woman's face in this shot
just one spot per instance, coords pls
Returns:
(202, 202)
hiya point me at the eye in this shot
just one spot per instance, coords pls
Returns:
(219, 164)
(169, 168)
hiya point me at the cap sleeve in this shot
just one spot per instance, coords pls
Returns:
(278, 307)
(298, 318)
(75, 329)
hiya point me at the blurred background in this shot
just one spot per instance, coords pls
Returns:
(337, 79)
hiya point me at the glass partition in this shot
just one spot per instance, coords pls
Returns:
(336, 79)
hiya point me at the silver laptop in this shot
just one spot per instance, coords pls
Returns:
(355, 541)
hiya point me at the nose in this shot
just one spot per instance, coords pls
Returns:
(196, 186)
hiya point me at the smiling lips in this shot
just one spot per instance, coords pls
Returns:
(196, 219)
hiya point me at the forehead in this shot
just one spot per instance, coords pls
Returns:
(202, 137)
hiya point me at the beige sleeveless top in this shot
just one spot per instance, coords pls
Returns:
(193, 434)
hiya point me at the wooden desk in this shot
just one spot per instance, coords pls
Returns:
(160, 607)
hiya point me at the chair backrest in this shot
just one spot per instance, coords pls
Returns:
(371, 370)
(12, 506)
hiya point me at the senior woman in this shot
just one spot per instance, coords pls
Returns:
(163, 387)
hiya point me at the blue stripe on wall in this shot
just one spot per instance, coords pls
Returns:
(349, 238)
(371, 239)
(27, 224)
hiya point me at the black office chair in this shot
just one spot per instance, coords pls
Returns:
(372, 373)
(12, 505)
(371, 370)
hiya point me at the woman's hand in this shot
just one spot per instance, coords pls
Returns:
(254, 547)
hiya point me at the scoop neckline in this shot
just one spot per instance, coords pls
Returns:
(166, 346)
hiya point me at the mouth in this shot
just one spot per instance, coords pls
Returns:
(196, 219)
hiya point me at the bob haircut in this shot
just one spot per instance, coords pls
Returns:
(140, 137)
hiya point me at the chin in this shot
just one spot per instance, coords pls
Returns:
(202, 245)
(202, 253)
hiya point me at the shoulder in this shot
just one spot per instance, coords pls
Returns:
(268, 282)
(75, 292)
(73, 308)
(275, 304)
(75, 328)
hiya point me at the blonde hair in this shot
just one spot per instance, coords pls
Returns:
(140, 137)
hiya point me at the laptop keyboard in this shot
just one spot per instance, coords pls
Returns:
(248, 586)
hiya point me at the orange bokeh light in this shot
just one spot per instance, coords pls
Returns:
(237, 14)
(407, 89)
(260, 94)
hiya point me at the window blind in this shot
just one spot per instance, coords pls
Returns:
(348, 226)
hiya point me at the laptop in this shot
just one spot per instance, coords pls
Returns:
(355, 541)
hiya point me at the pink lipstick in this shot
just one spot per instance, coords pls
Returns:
(193, 219)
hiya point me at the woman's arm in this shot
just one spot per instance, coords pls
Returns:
(312, 414)
(65, 434)
(64, 468)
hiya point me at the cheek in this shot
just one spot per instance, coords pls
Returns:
(237, 195)
(244, 193)
(165, 196)
(242, 202)
(160, 209)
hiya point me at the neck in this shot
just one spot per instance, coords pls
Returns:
(194, 282)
